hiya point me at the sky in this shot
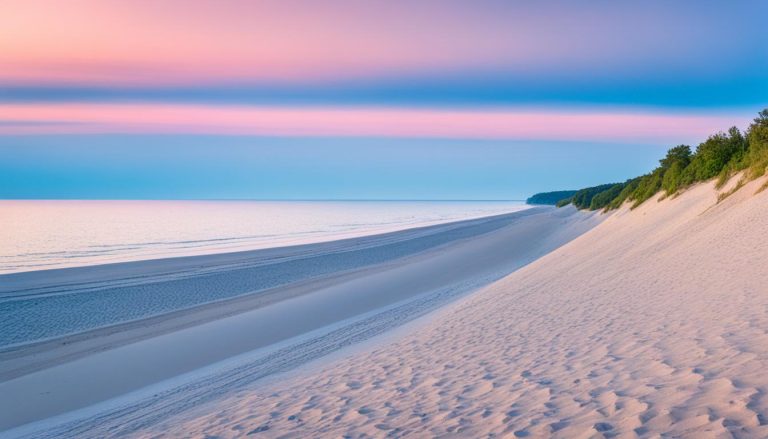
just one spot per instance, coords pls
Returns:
(363, 100)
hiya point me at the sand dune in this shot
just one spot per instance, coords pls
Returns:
(654, 323)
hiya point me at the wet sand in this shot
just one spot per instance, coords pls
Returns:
(321, 315)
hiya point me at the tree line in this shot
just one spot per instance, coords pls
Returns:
(720, 156)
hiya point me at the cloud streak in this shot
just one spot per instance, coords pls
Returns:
(557, 124)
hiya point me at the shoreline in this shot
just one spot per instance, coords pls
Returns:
(472, 261)
(79, 299)
(87, 251)
(653, 322)
(40, 282)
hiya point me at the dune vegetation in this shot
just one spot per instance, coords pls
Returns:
(550, 197)
(721, 156)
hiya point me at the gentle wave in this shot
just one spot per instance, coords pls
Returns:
(59, 234)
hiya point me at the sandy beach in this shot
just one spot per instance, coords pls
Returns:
(368, 286)
(652, 321)
(383, 219)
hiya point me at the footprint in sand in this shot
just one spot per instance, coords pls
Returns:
(602, 427)
(354, 385)
(259, 429)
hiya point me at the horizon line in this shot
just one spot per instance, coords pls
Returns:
(264, 199)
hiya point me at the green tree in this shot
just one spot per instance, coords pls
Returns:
(757, 137)
(625, 193)
(647, 187)
(604, 198)
(673, 178)
(672, 166)
(583, 199)
(680, 154)
(715, 153)
(720, 155)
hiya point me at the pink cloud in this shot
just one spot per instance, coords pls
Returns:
(152, 42)
(553, 124)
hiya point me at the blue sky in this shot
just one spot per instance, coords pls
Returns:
(109, 166)
(382, 100)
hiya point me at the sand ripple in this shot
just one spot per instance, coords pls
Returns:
(654, 323)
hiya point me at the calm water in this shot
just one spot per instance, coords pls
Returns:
(36, 235)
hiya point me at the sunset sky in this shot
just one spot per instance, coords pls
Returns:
(353, 99)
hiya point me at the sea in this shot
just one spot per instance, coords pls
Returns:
(49, 234)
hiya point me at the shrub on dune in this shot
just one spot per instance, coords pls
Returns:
(720, 156)
(756, 157)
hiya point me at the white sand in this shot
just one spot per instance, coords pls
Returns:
(180, 355)
(654, 323)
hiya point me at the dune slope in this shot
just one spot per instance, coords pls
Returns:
(653, 322)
